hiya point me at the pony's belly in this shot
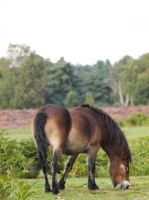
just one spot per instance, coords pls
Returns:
(75, 147)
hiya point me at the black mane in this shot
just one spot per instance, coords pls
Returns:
(118, 137)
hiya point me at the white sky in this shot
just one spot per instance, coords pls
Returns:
(81, 31)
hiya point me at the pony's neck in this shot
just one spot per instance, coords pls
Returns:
(112, 151)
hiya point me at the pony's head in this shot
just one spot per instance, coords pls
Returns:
(119, 171)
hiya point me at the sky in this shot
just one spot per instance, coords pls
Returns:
(81, 31)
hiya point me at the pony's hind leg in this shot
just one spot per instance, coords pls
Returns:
(68, 168)
(45, 172)
(56, 157)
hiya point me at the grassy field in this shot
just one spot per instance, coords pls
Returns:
(130, 132)
(76, 189)
(17, 134)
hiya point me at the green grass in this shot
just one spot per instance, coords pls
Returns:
(17, 134)
(76, 189)
(137, 131)
(130, 132)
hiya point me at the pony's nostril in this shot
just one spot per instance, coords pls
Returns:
(127, 187)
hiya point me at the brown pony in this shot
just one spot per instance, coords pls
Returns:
(78, 130)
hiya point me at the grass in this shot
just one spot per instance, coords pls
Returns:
(130, 132)
(76, 189)
(17, 134)
(137, 131)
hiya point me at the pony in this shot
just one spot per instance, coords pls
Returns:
(82, 129)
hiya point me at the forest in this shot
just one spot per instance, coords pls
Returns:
(27, 80)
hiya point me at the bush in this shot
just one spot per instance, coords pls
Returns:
(135, 120)
(5, 188)
(16, 156)
(11, 188)
(140, 153)
(12, 160)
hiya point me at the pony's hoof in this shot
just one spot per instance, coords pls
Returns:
(61, 187)
(93, 187)
(55, 191)
(47, 190)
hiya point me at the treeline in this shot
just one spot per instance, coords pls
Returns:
(27, 80)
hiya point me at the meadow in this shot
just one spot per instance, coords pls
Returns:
(130, 132)
(76, 187)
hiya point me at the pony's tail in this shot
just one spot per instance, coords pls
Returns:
(41, 142)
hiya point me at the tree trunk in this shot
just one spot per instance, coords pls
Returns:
(120, 93)
(127, 100)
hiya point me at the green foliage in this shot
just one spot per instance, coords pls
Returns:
(28, 148)
(89, 99)
(28, 81)
(12, 160)
(12, 188)
(119, 82)
(59, 82)
(23, 82)
(97, 81)
(135, 120)
(23, 190)
(5, 187)
(140, 152)
(71, 99)
(15, 157)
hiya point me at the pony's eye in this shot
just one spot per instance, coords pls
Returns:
(125, 168)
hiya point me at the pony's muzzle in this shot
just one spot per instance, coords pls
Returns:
(124, 185)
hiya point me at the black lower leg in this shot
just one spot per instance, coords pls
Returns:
(56, 158)
(45, 172)
(68, 168)
(91, 179)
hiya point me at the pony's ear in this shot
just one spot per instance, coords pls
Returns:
(130, 157)
(127, 156)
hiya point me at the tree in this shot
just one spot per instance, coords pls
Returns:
(97, 82)
(29, 91)
(24, 86)
(71, 99)
(136, 80)
(89, 99)
(118, 80)
(60, 76)
(142, 88)
(18, 54)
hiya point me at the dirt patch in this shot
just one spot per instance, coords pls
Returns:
(22, 118)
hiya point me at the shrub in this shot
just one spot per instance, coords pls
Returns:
(15, 157)
(22, 190)
(12, 160)
(11, 188)
(135, 120)
(5, 188)
(140, 153)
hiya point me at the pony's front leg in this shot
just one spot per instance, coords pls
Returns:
(68, 168)
(56, 157)
(91, 170)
